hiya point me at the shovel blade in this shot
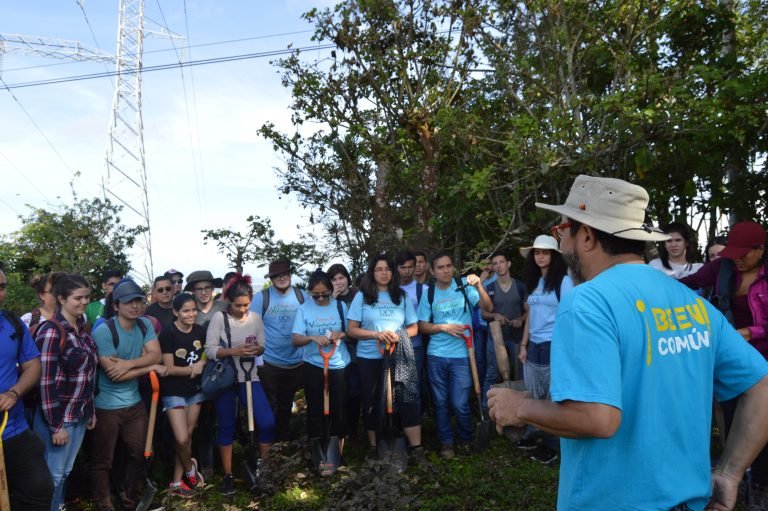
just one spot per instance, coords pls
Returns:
(326, 455)
(251, 474)
(394, 451)
(149, 495)
(483, 435)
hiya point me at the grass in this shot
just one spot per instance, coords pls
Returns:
(501, 477)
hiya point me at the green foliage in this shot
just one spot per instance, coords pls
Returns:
(448, 120)
(257, 243)
(86, 237)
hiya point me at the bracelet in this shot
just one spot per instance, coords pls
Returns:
(14, 393)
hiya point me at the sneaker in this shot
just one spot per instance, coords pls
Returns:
(527, 444)
(464, 449)
(446, 452)
(181, 490)
(545, 456)
(227, 485)
(195, 479)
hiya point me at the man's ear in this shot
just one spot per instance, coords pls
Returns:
(589, 241)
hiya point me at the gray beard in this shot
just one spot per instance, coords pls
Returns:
(574, 264)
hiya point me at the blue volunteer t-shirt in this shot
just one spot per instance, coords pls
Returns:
(634, 339)
(448, 306)
(542, 309)
(115, 395)
(313, 319)
(10, 355)
(379, 317)
(278, 324)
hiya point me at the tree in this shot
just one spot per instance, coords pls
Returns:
(86, 237)
(257, 243)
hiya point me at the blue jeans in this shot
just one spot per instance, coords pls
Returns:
(451, 383)
(60, 458)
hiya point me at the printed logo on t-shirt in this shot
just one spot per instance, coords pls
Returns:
(678, 330)
(284, 313)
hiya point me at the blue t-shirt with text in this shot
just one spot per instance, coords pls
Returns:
(313, 319)
(449, 306)
(634, 339)
(115, 395)
(542, 309)
(379, 317)
(278, 325)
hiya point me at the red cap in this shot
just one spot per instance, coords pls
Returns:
(743, 237)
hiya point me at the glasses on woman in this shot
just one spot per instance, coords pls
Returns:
(320, 296)
(557, 230)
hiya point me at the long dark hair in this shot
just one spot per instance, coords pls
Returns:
(555, 273)
(239, 285)
(368, 285)
(64, 284)
(683, 231)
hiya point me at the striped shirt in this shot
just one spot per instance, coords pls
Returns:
(68, 373)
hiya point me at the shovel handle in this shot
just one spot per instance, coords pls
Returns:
(389, 394)
(326, 389)
(152, 413)
(249, 398)
(473, 366)
(502, 362)
(5, 503)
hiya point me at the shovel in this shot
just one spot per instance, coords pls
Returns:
(483, 431)
(250, 465)
(513, 433)
(390, 447)
(151, 489)
(325, 451)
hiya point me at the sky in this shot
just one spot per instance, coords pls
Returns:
(207, 167)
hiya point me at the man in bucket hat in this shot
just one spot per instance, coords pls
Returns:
(281, 374)
(636, 358)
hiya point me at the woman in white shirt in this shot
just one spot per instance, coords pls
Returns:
(676, 254)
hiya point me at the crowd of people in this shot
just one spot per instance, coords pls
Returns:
(620, 362)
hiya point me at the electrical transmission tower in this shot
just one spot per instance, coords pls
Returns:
(125, 176)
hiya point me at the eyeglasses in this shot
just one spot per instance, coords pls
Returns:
(320, 296)
(281, 275)
(383, 270)
(166, 289)
(557, 230)
(206, 289)
(179, 281)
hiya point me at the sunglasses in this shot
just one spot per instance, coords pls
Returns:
(320, 296)
(166, 289)
(557, 230)
(177, 281)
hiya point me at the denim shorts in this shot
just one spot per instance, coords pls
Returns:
(170, 402)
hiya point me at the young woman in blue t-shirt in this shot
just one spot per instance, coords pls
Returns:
(377, 313)
(319, 326)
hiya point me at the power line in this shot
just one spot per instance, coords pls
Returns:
(165, 67)
(164, 50)
(61, 158)
(26, 178)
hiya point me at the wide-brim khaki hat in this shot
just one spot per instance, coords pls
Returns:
(610, 205)
(542, 241)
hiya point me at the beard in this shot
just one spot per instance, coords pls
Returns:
(574, 265)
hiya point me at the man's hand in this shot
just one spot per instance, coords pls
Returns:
(160, 369)
(500, 318)
(474, 280)
(503, 406)
(724, 492)
(119, 369)
(7, 400)
(452, 329)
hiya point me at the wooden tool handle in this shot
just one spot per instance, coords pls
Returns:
(152, 413)
(389, 393)
(5, 502)
(473, 366)
(249, 398)
(326, 390)
(502, 361)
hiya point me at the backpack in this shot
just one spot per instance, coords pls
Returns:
(340, 307)
(460, 287)
(265, 299)
(113, 329)
(18, 329)
(721, 298)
